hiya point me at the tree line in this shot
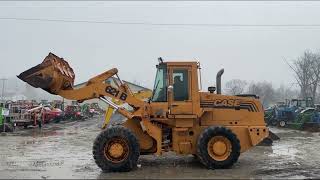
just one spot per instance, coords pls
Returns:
(305, 69)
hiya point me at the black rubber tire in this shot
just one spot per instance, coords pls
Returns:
(282, 123)
(134, 149)
(202, 151)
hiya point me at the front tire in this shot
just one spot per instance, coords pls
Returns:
(218, 148)
(116, 149)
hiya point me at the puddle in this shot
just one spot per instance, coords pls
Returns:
(282, 149)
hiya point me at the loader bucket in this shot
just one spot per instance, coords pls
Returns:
(52, 75)
(273, 136)
(269, 140)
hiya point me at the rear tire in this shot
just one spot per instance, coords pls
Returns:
(218, 148)
(116, 149)
(282, 123)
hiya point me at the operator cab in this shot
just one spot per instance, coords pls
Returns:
(176, 87)
(302, 103)
(179, 86)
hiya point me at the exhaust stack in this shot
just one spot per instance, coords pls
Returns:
(218, 81)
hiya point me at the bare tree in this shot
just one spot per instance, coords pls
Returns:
(307, 73)
(315, 81)
(264, 90)
(283, 93)
(235, 86)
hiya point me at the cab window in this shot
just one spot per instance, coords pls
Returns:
(180, 84)
(160, 85)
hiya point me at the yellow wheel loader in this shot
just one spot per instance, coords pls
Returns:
(178, 117)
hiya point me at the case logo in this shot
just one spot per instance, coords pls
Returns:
(230, 104)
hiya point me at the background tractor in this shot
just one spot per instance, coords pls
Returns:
(6, 124)
(307, 119)
(178, 117)
(88, 111)
(285, 112)
(73, 112)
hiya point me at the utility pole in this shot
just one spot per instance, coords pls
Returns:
(3, 85)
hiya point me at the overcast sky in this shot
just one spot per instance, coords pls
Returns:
(248, 53)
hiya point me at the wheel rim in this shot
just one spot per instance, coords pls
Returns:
(219, 148)
(116, 150)
(282, 123)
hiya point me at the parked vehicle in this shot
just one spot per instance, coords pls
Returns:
(97, 108)
(284, 112)
(308, 119)
(86, 110)
(54, 114)
(40, 115)
(73, 112)
(5, 124)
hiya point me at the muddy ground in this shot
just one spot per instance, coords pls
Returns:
(65, 151)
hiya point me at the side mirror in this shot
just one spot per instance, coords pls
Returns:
(170, 88)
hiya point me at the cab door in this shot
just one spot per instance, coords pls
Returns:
(159, 96)
(180, 80)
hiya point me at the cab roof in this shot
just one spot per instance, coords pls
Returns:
(180, 63)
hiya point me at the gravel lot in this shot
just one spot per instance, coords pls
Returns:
(65, 151)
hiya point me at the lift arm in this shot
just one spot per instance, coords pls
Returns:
(55, 76)
(143, 94)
